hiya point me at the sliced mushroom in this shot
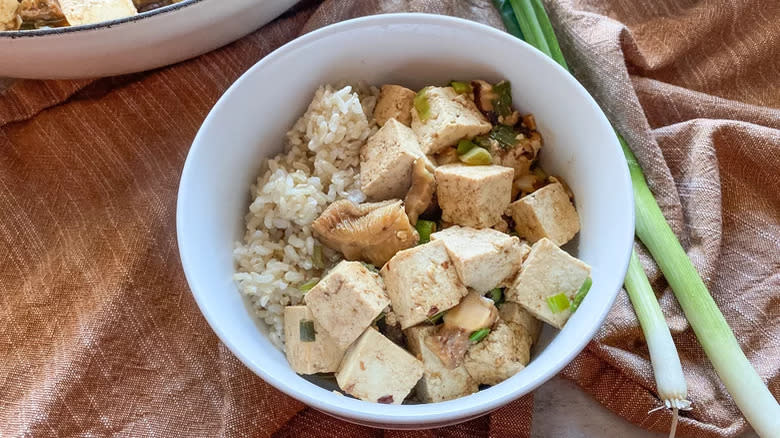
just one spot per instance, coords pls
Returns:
(420, 194)
(451, 342)
(41, 13)
(520, 157)
(372, 232)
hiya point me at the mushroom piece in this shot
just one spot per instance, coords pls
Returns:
(451, 342)
(42, 13)
(420, 194)
(372, 231)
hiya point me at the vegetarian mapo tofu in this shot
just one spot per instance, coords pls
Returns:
(408, 270)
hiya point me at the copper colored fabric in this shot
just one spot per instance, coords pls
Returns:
(99, 334)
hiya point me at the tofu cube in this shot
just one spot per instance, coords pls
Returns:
(309, 354)
(375, 369)
(484, 258)
(438, 382)
(513, 313)
(421, 282)
(499, 356)
(547, 271)
(346, 301)
(386, 162)
(473, 196)
(394, 102)
(547, 212)
(451, 117)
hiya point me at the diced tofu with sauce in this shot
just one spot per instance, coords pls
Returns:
(394, 102)
(484, 258)
(514, 313)
(421, 282)
(546, 272)
(547, 212)
(80, 12)
(499, 356)
(346, 301)
(377, 370)
(438, 382)
(474, 196)
(450, 118)
(309, 348)
(386, 162)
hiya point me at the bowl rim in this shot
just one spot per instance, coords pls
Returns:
(446, 412)
(13, 34)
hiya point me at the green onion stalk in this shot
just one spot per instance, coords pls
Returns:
(713, 332)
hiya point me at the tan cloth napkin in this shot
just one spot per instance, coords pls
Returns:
(99, 334)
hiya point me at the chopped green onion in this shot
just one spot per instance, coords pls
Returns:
(309, 285)
(497, 295)
(461, 87)
(306, 330)
(718, 341)
(316, 258)
(437, 317)
(370, 267)
(378, 318)
(465, 146)
(425, 229)
(422, 105)
(581, 294)
(558, 302)
(503, 101)
(477, 156)
(479, 335)
(505, 136)
(539, 173)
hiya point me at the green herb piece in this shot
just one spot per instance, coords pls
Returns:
(581, 294)
(465, 146)
(503, 101)
(316, 258)
(497, 295)
(370, 267)
(306, 330)
(505, 136)
(558, 302)
(422, 105)
(477, 156)
(436, 318)
(479, 335)
(309, 285)
(461, 87)
(539, 173)
(425, 229)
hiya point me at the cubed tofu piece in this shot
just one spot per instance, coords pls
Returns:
(451, 117)
(547, 212)
(421, 282)
(386, 162)
(473, 196)
(484, 258)
(514, 313)
(499, 356)
(394, 102)
(310, 349)
(80, 12)
(438, 382)
(347, 300)
(375, 369)
(547, 271)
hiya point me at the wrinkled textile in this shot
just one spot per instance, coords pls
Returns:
(100, 335)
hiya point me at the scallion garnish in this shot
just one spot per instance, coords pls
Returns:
(306, 330)
(506, 136)
(436, 318)
(558, 302)
(497, 295)
(503, 101)
(422, 105)
(477, 156)
(461, 87)
(308, 285)
(316, 258)
(581, 294)
(479, 335)
(425, 229)
(465, 146)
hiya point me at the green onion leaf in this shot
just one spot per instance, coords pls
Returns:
(503, 101)
(558, 302)
(461, 87)
(370, 267)
(306, 330)
(505, 136)
(479, 335)
(477, 156)
(497, 295)
(316, 258)
(464, 146)
(581, 294)
(436, 318)
(422, 105)
(309, 285)
(425, 229)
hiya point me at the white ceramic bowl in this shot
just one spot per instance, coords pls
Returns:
(148, 40)
(248, 123)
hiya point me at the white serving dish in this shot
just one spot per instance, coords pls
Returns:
(149, 40)
(248, 123)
